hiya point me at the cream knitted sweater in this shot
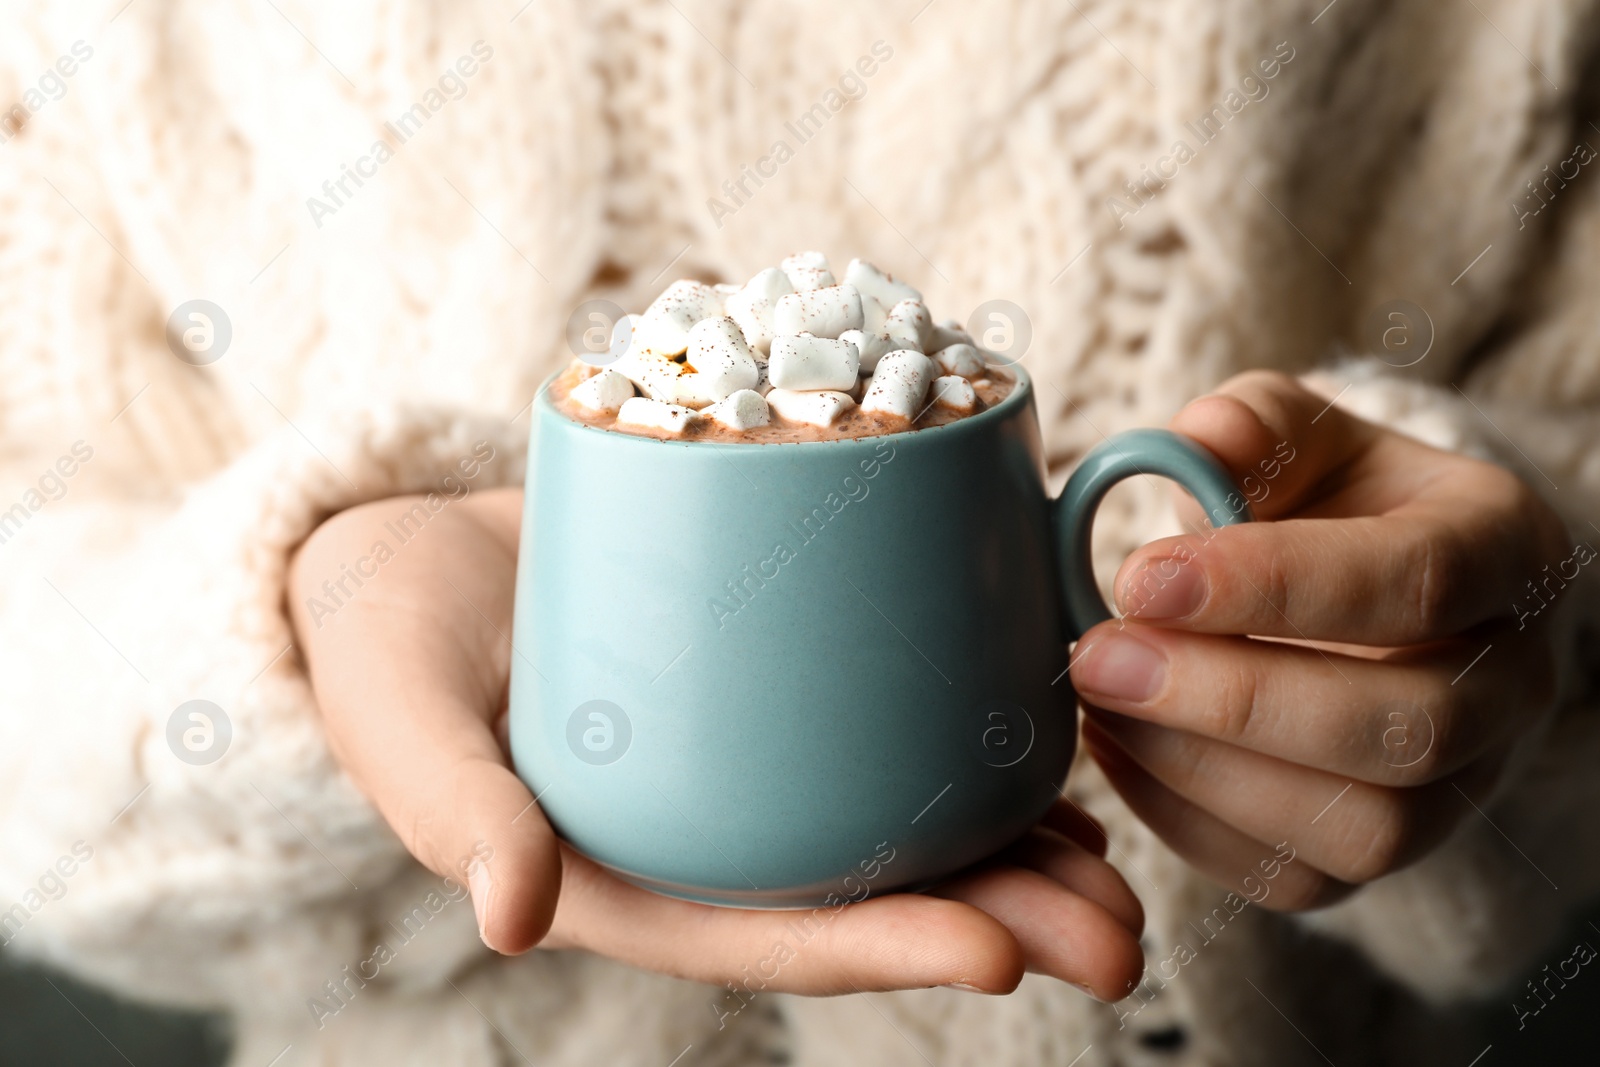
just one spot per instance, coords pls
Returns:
(385, 323)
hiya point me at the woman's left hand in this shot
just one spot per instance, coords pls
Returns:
(1347, 678)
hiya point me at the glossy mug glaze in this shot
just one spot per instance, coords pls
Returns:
(785, 675)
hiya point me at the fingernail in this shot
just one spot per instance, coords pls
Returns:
(482, 888)
(965, 988)
(1166, 588)
(1086, 991)
(1120, 667)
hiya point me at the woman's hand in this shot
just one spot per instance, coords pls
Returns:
(411, 671)
(1395, 651)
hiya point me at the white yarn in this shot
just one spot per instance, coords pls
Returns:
(979, 160)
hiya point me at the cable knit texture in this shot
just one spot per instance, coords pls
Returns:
(1020, 151)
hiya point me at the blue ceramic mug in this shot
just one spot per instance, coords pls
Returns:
(787, 675)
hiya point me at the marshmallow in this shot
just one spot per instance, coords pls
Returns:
(752, 306)
(719, 364)
(879, 291)
(606, 391)
(826, 312)
(807, 278)
(642, 411)
(808, 270)
(624, 337)
(664, 327)
(908, 325)
(961, 359)
(953, 391)
(743, 410)
(656, 376)
(695, 391)
(870, 346)
(813, 259)
(807, 362)
(899, 384)
(718, 335)
(947, 332)
(620, 342)
(790, 345)
(818, 409)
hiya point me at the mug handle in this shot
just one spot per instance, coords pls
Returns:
(1162, 452)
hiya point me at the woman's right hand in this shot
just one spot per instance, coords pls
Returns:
(411, 670)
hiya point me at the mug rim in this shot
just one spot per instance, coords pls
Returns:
(1018, 397)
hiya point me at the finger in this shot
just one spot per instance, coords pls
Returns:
(1275, 877)
(1066, 818)
(440, 784)
(1410, 718)
(511, 862)
(1279, 440)
(898, 941)
(1448, 543)
(410, 721)
(1351, 830)
(1062, 934)
(1423, 572)
(1075, 868)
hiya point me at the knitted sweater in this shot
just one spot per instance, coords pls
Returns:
(398, 205)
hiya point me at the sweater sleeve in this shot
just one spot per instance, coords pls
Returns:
(202, 853)
(1485, 906)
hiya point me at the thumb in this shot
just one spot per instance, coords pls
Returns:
(434, 771)
(1279, 440)
(479, 822)
(406, 679)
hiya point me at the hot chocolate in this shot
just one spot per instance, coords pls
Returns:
(790, 356)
